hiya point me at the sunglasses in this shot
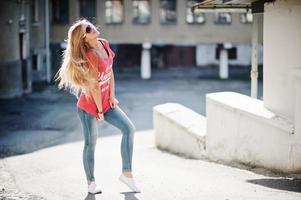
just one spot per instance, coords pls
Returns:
(88, 29)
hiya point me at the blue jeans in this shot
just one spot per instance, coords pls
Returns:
(117, 118)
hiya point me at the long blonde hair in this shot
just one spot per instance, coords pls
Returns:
(73, 74)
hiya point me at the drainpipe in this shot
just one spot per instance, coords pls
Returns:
(254, 70)
(48, 61)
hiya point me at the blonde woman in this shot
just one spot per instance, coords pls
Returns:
(87, 70)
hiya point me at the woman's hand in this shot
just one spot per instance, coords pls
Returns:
(113, 102)
(100, 117)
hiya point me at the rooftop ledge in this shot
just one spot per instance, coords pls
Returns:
(251, 107)
(184, 117)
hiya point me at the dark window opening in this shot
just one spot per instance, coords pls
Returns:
(87, 9)
(173, 56)
(127, 56)
(34, 62)
(232, 52)
(60, 11)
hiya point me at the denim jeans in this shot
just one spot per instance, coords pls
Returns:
(117, 118)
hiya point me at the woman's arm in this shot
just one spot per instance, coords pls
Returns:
(96, 94)
(112, 85)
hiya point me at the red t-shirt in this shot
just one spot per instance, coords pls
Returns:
(86, 101)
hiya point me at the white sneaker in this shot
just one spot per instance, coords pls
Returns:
(93, 188)
(129, 182)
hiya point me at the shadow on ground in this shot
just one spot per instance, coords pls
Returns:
(286, 184)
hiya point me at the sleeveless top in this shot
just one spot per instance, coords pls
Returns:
(104, 65)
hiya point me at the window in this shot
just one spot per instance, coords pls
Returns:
(196, 17)
(168, 11)
(246, 18)
(141, 11)
(60, 11)
(223, 18)
(232, 52)
(114, 11)
(87, 9)
(34, 61)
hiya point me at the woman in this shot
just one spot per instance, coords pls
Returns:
(87, 70)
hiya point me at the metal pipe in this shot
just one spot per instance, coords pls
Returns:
(234, 8)
(254, 70)
(48, 61)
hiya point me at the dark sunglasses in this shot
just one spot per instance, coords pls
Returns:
(88, 29)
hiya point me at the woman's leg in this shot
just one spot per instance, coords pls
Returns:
(90, 136)
(119, 119)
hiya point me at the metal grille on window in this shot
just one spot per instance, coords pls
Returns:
(141, 11)
(246, 18)
(168, 11)
(223, 18)
(114, 11)
(194, 18)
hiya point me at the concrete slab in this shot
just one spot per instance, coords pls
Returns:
(56, 173)
(237, 123)
(180, 130)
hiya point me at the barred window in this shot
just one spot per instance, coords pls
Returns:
(246, 18)
(114, 11)
(223, 18)
(195, 17)
(168, 11)
(141, 11)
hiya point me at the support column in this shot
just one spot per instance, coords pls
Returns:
(254, 71)
(223, 64)
(146, 61)
(198, 55)
(47, 41)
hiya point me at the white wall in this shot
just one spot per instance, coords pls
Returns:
(241, 129)
(282, 55)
